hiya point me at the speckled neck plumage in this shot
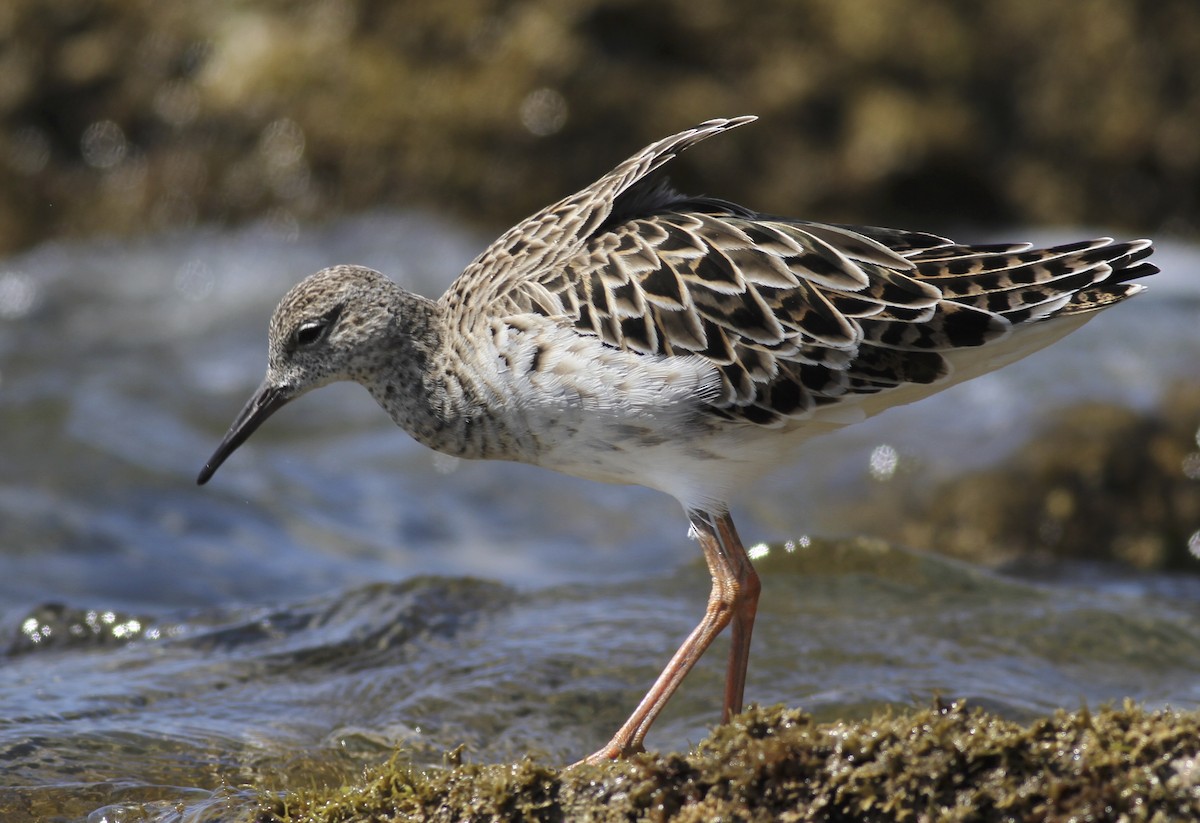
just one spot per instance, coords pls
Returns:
(406, 360)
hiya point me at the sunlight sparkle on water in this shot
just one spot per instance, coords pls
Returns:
(883, 462)
(761, 550)
(18, 294)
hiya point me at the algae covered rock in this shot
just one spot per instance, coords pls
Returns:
(949, 762)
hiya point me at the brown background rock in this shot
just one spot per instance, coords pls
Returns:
(123, 116)
(1097, 482)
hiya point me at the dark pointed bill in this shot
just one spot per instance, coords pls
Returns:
(266, 401)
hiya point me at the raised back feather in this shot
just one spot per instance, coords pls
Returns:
(556, 233)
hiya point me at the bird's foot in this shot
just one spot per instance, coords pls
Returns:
(614, 750)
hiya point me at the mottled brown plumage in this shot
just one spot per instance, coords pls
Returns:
(632, 334)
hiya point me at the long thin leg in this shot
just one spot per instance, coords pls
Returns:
(734, 598)
(745, 606)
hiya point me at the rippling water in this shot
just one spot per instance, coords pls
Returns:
(338, 590)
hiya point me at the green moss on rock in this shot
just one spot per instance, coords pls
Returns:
(949, 762)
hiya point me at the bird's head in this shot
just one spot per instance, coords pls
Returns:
(329, 327)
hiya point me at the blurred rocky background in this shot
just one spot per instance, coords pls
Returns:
(121, 116)
(1097, 481)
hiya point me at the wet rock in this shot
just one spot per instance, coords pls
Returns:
(57, 626)
(949, 762)
(1099, 482)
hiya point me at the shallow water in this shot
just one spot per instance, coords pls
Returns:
(338, 590)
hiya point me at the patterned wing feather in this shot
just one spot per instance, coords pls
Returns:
(557, 233)
(795, 315)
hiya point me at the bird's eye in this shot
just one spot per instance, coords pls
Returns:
(314, 330)
(310, 332)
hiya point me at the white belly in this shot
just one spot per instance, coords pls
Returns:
(591, 411)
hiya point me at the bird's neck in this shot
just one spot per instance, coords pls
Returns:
(423, 392)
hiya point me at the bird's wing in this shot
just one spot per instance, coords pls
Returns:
(797, 315)
(793, 315)
(557, 233)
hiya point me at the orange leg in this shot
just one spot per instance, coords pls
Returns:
(734, 598)
(745, 605)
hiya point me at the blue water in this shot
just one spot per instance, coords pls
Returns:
(338, 590)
